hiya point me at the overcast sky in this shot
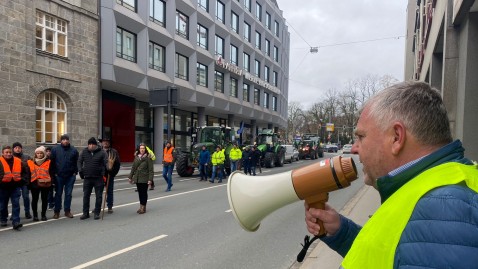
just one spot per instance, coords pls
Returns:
(323, 23)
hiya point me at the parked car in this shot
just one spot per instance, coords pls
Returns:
(291, 153)
(347, 148)
(331, 148)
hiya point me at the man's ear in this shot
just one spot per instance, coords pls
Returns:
(399, 137)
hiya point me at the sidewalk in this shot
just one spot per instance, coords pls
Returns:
(363, 204)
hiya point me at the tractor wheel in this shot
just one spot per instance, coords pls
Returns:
(280, 158)
(269, 160)
(182, 165)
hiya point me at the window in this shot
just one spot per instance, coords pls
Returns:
(274, 78)
(276, 28)
(268, 20)
(218, 81)
(51, 34)
(129, 4)
(268, 47)
(182, 25)
(276, 54)
(257, 97)
(157, 11)
(220, 46)
(245, 92)
(220, 11)
(125, 45)
(274, 103)
(201, 75)
(247, 61)
(182, 67)
(247, 5)
(202, 36)
(234, 87)
(258, 11)
(266, 100)
(257, 68)
(234, 55)
(156, 56)
(234, 22)
(258, 40)
(266, 73)
(50, 118)
(247, 32)
(204, 4)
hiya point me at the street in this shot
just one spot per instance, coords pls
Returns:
(191, 226)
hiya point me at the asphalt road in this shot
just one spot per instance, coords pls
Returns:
(190, 227)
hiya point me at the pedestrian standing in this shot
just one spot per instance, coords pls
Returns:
(91, 167)
(40, 183)
(168, 165)
(113, 165)
(51, 193)
(217, 160)
(18, 152)
(141, 174)
(235, 156)
(254, 158)
(13, 175)
(204, 159)
(245, 160)
(64, 158)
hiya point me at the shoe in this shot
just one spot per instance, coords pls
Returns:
(139, 210)
(97, 216)
(17, 226)
(151, 189)
(56, 215)
(168, 189)
(220, 181)
(142, 209)
(43, 218)
(136, 190)
(85, 216)
(3, 224)
(28, 215)
(68, 214)
(35, 218)
(110, 210)
(211, 181)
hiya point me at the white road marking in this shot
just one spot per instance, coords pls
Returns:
(227, 211)
(84, 265)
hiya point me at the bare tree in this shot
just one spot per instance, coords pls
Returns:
(295, 118)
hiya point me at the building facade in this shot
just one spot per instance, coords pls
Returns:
(48, 72)
(442, 49)
(229, 60)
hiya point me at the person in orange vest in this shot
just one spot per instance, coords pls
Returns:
(13, 175)
(168, 165)
(41, 180)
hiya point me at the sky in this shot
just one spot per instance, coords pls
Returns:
(326, 24)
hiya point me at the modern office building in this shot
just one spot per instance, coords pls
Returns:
(48, 71)
(229, 60)
(442, 49)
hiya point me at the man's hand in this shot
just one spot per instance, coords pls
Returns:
(329, 217)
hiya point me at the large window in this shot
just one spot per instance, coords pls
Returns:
(266, 100)
(182, 67)
(234, 54)
(258, 40)
(234, 22)
(247, 61)
(220, 11)
(247, 5)
(268, 20)
(156, 56)
(258, 11)
(257, 68)
(129, 4)
(218, 81)
(51, 34)
(50, 118)
(202, 36)
(268, 47)
(220, 46)
(247, 32)
(266, 73)
(274, 78)
(204, 4)
(201, 75)
(125, 45)
(157, 11)
(234, 87)
(257, 96)
(246, 92)
(276, 54)
(182, 24)
(274, 103)
(276, 28)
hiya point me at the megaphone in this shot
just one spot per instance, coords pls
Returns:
(251, 199)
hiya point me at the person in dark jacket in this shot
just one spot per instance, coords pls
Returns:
(113, 165)
(42, 176)
(141, 174)
(204, 159)
(18, 152)
(429, 190)
(92, 168)
(246, 160)
(13, 175)
(64, 158)
(254, 158)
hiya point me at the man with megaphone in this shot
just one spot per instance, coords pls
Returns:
(429, 213)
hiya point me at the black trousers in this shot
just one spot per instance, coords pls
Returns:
(142, 192)
(44, 200)
(88, 185)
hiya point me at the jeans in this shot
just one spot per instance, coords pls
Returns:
(67, 183)
(88, 185)
(168, 174)
(203, 171)
(218, 169)
(12, 194)
(109, 192)
(234, 166)
(252, 170)
(26, 198)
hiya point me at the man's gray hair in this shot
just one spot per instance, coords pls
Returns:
(418, 106)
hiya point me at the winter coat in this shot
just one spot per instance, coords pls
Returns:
(204, 157)
(142, 170)
(64, 160)
(92, 164)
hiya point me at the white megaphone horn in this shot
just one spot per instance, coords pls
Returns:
(253, 198)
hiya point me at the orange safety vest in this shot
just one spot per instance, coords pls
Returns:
(168, 154)
(16, 174)
(39, 171)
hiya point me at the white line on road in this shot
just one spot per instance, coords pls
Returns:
(227, 211)
(84, 265)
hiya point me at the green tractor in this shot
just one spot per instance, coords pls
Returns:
(272, 152)
(211, 137)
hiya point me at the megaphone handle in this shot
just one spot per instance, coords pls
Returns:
(318, 201)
